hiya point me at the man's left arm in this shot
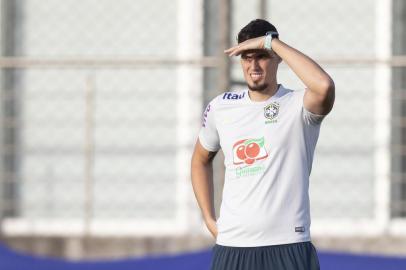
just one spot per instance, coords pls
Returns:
(319, 97)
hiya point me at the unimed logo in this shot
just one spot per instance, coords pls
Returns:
(248, 151)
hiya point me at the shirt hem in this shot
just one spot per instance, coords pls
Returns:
(265, 243)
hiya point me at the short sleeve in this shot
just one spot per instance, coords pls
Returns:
(308, 117)
(312, 118)
(208, 135)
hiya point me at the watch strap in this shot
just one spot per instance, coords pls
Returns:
(268, 39)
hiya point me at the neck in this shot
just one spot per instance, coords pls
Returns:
(265, 94)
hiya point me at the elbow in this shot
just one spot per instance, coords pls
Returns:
(326, 91)
(327, 86)
(329, 95)
(331, 86)
(325, 95)
(330, 89)
(323, 88)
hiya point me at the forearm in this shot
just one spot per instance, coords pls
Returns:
(308, 71)
(202, 182)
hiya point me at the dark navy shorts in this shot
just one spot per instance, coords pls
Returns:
(296, 256)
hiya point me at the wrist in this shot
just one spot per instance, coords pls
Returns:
(269, 36)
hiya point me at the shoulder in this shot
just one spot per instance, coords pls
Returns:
(292, 99)
(290, 92)
(230, 97)
(309, 117)
(289, 95)
(223, 99)
(298, 96)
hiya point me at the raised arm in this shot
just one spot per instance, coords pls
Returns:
(202, 182)
(319, 98)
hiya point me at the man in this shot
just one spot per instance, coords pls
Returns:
(268, 134)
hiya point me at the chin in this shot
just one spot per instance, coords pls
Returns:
(258, 87)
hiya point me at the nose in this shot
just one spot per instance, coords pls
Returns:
(254, 64)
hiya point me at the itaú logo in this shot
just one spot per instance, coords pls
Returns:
(248, 151)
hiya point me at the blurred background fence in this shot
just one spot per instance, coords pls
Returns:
(101, 104)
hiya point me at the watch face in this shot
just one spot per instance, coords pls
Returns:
(273, 34)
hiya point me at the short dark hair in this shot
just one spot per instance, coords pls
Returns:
(255, 28)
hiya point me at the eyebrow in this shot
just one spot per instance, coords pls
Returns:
(255, 54)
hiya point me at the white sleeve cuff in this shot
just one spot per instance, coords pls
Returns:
(206, 145)
(312, 118)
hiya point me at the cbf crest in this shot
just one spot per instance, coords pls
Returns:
(271, 112)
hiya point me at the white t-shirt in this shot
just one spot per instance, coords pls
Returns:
(268, 148)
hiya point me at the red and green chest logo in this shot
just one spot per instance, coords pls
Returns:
(248, 151)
